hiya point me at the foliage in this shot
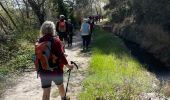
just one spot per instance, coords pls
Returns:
(150, 26)
(17, 53)
(152, 11)
(60, 7)
(119, 10)
(145, 11)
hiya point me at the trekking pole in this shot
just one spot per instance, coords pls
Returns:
(69, 71)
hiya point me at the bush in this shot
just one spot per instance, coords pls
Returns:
(17, 53)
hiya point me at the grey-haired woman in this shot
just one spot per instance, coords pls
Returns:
(47, 32)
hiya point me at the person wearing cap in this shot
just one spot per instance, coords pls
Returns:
(62, 29)
(85, 31)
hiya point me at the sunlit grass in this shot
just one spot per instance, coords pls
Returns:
(113, 73)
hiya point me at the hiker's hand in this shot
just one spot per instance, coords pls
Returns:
(70, 66)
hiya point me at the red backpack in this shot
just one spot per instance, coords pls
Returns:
(62, 26)
(44, 59)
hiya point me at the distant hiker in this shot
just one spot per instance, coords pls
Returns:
(91, 22)
(80, 22)
(102, 17)
(70, 33)
(62, 29)
(50, 60)
(85, 31)
(99, 17)
(96, 19)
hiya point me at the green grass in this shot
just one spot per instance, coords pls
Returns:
(113, 73)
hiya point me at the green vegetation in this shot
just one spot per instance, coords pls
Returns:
(17, 55)
(19, 52)
(145, 22)
(113, 73)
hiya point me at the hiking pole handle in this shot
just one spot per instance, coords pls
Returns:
(68, 70)
(72, 62)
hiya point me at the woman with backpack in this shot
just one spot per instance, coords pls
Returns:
(55, 74)
(85, 33)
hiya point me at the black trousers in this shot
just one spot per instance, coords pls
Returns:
(70, 39)
(86, 41)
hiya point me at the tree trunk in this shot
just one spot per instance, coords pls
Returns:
(22, 14)
(4, 29)
(38, 10)
(96, 10)
(9, 15)
(27, 8)
(5, 22)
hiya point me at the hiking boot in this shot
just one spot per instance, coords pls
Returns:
(65, 98)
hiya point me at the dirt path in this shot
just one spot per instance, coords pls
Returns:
(28, 86)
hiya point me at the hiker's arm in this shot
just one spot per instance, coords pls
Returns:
(58, 49)
(57, 27)
(81, 28)
(62, 58)
(89, 27)
(67, 27)
(69, 66)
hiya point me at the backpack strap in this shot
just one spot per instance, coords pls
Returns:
(52, 40)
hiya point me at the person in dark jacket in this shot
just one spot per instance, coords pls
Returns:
(47, 32)
(70, 33)
(62, 29)
(91, 23)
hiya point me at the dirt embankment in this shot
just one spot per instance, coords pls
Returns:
(151, 38)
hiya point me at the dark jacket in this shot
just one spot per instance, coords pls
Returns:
(70, 28)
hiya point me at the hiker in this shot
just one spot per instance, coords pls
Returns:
(91, 22)
(85, 31)
(70, 33)
(58, 60)
(62, 29)
(97, 18)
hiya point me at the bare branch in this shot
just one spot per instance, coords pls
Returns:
(9, 16)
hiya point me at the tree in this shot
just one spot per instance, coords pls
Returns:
(38, 8)
(10, 17)
(60, 7)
